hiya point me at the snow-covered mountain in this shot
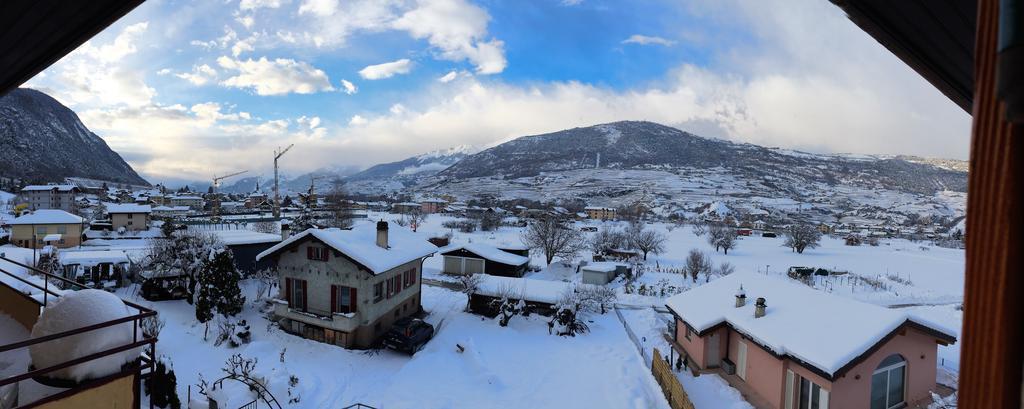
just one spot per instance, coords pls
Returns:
(647, 145)
(410, 171)
(44, 141)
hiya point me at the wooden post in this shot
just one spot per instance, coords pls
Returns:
(991, 354)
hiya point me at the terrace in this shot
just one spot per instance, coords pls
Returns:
(23, 298)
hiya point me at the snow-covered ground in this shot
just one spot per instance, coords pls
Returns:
(516, 366)
(522, 365)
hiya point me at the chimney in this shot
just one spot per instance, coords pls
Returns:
(286, 231)
(382, 234)
(759, 307)
(741, 297)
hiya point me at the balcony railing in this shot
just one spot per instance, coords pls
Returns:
(144, 367)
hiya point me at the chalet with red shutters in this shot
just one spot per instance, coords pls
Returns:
(347, 287)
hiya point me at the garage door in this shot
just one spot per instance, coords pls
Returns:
(453, 265)
(473, 266)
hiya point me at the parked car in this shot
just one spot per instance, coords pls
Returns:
(408, 335)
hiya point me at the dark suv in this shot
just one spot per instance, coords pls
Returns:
(408, 335)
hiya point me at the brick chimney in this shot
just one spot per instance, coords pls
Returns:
(382, 234)
(286, 231)
(741, 297)
(759, 307)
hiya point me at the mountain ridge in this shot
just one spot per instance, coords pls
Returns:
(45, 141)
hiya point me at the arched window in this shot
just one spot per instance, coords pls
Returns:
(888, 383)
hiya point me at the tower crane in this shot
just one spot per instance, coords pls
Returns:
(277, 196)
(216, 195)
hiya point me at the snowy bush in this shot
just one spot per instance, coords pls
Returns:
(162, 386)
(152, 325)
(235, 334)
(509, 303)
(470, 283)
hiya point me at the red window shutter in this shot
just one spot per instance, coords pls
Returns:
(288, 290)
(304, 294)
(352, 299)
(334, 298)
(309, 253)
(412, 275)
(327, 255)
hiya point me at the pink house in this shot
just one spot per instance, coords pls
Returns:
(799, 348)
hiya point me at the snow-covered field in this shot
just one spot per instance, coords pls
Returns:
(515, 366)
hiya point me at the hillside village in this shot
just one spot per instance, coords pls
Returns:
(473, 283)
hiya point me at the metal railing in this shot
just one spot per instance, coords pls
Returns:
(144, 367)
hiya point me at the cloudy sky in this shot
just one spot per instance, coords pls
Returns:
(185, 89)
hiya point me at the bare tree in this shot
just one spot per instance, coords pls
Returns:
(700, 228)
(722, 237)
(554, 238)
(339, 204)
(607, 239)
(725, 269)
(470, 284)
(646, 240)
(412, 219)
(266, 279)
(697, 263)
(603, 297)
(800, 237)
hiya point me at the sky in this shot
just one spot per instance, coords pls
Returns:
(184, 90)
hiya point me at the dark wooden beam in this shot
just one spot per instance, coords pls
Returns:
(34, 34)
(993, 329)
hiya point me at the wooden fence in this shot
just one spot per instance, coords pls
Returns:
(670, 386)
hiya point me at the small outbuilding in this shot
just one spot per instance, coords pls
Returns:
(477, 258)
(602, 272)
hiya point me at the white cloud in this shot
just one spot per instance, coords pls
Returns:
(457, 29)
(386, 70)
(318, 7)
(275, 77)
(246, 21)
(449, 77)
(348, 87)
(258, 4)
(357, 120)
(647, 40)
(572, 2)
(200, 75)
(163, 71)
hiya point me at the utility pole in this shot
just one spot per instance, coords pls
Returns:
(311, 195)
(216, 196)
(277, 194)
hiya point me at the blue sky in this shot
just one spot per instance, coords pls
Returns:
(184, 89)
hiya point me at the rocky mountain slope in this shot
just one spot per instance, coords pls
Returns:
(44, 141)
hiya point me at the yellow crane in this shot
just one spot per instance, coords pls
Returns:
(216, 196)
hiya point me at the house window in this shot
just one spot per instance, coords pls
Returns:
(344, 299)
(689, 332)
(317, 253)
(888, 383)
(62, 229)
(409, 278)
(378, 292)
(810, 395)
(298, 294)
(41, 230)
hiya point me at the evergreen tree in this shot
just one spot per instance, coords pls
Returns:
(223, 278)
(204, 300)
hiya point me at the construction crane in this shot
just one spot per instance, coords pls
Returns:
(311, 196)
(277, 196)
(216, 196)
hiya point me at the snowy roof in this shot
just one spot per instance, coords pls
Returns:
(239, 237)
(186, 198)
(435, 201)
(51, 237)
(128, 208)
(61, 188)
(489, 252)
(171, 208)
(406, 204)
(92, 257)
(602, 266)
(360, 244)
(823, 330)
(545, 291)
(48, 216)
